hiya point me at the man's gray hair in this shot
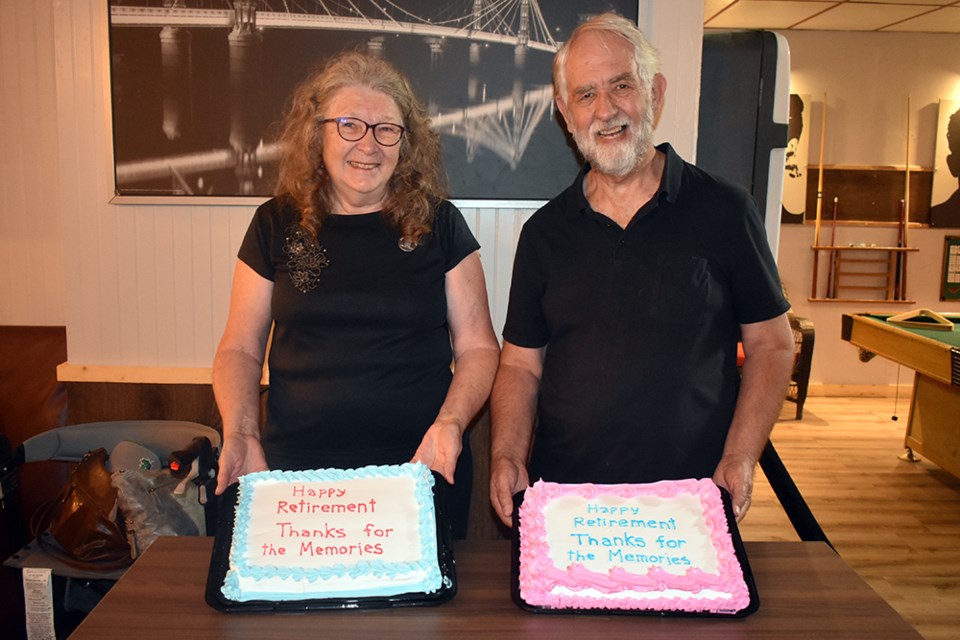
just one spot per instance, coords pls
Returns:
(645, 55)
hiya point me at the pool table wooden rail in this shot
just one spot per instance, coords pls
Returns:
(933, 428)
(935, 358)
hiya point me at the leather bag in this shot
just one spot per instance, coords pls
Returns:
(83, 519)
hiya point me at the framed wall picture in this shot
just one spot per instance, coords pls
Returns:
(945, 196)
(199, 86)
(950, 283)
(795, 171)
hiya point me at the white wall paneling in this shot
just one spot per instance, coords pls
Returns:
(31, 259)
(497, 230)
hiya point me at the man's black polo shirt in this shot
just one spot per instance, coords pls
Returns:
(641, 326)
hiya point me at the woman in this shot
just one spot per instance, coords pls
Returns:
(368, 276)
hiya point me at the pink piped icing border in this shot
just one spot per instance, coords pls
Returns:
(539, 576)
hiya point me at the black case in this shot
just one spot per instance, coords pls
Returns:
(738, 549)
(220, 560)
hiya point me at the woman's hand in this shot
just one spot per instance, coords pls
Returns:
(440, 448)
(476, 352)
(241, 454)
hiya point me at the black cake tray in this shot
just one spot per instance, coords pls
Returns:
(738, 549)
(220, 560)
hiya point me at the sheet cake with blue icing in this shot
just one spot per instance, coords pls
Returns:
(336, 534)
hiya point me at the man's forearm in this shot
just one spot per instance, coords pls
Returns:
(513, 407)
(762, 390)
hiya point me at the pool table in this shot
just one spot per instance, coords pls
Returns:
(933, 428)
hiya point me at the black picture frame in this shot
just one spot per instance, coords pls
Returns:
(950, 278)
(196, 99)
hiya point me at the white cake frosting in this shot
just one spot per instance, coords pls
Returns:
(334, 533)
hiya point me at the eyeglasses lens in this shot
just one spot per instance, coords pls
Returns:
(353, 129)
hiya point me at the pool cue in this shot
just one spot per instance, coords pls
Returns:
(905, 218)
(831, 288)
(816, 226)
(898, 270)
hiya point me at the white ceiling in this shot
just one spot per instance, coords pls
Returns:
(931, 16)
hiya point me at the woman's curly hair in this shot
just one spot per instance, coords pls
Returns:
(417, 185)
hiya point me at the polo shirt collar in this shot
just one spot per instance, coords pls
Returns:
(672, 173)
(576, 204)
(669, 183)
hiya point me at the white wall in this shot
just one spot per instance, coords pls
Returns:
(866, 78)
(31, 261)
(676, 29)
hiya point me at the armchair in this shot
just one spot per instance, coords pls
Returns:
(803, 335)
(77, 589)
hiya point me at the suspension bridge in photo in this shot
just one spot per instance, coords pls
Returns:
(502, 125)
(514, 22)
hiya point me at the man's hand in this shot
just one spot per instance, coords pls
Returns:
(735, 474)
(506, 479)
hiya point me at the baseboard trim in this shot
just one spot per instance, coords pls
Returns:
(860, 390)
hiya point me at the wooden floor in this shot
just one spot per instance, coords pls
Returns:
(897, 523)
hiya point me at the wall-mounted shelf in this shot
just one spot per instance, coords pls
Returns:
(855, 270)
(870, 193)
(858, 270)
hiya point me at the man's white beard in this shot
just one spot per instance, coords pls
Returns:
(620, 158)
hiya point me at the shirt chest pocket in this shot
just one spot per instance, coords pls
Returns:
(679, 290)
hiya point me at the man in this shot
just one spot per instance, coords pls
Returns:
(630, 291)
(947, 213)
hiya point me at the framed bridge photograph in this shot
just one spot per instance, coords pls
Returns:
(199, 86)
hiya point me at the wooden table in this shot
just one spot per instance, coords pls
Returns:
(806, 591)
(933, 426)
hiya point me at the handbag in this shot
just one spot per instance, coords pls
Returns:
(151, 506)
(83, 519)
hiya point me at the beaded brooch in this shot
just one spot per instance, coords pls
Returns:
(307, 259)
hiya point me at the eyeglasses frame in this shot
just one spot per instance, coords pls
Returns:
(367, 127)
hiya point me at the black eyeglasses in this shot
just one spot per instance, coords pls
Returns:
(353, 129)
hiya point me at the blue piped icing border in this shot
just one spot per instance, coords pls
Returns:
(426, 518)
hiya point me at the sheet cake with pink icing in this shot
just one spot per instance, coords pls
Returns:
(659, 547)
